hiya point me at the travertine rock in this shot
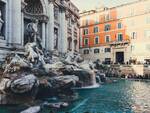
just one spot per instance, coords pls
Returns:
(34, 109)
(24, 84)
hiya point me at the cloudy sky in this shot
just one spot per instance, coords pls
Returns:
(92, 4)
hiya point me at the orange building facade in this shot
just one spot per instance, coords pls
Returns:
(107, 34)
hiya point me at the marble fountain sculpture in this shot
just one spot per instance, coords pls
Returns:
(38, 73)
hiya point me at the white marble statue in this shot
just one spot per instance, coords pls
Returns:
(32, 29)
(35, 29)
(31, 54)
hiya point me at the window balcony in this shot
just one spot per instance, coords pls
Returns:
(122, 43)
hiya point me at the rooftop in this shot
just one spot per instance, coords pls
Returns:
(84, 13)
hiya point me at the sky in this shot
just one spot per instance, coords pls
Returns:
(92, 4)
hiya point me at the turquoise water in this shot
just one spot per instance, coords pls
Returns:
(124, 96)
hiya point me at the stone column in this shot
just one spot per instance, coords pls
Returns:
(73, 37)
(50, 27)
(60, 32)
(80, 38)
(63, 32)
(9, 28)
(43, 35)
(23, 4)
(22, 28)
(16, 23)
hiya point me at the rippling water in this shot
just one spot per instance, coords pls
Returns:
(124, 96)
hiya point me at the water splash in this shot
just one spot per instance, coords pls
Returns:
(89, 87)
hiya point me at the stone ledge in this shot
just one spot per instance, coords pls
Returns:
(2, 40)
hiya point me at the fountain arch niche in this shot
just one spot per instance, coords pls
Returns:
(2, 19)
(75, 44)
(35, 10)
(69, 40)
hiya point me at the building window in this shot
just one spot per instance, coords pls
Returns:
(86, 22)
(107, 50)
(107, 27)
(132, 47)
(97, 19)
(85, 31)
(131, 12)
(107, 60)
(96, 29)
(133, 35)
(86, 41)
(147, 7)
(120, 37)
(148, 47)
(147, 33)
(107, 17)
(119, 15)
(119, 25)
(96, 50)
(107, 38)
(97, 40)
(86, 51)
(148, 20)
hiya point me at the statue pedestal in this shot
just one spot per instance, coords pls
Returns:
(2, 41)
